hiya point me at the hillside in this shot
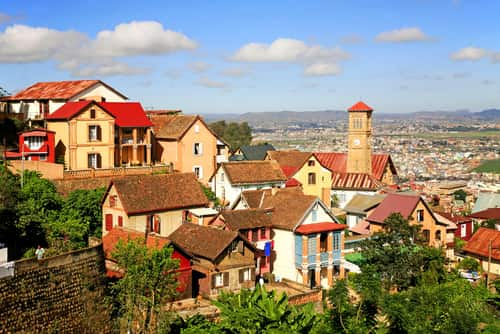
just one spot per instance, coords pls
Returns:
(490, 166)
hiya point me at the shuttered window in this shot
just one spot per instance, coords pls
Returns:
(220, 280)
(109, 222)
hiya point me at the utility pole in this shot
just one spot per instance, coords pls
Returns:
(489, 264)
(22, 166)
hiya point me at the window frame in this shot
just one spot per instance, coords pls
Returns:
(197, 149)
(311, 178)
(98, 133)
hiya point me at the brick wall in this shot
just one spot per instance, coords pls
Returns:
(48, 170)
(60, 294)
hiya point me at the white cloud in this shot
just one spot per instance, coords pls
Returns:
(316, 59)
(199, 66)
(322, 69)
(206, 82)
(469, 53)
(24, 44)
(140, 38)
(82, 56)
(411, 34)
(235, 72)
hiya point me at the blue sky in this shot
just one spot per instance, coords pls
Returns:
(235, 56)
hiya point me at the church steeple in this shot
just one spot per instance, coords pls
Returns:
(359, 155)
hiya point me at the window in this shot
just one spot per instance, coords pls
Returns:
(220, 280)
(438, 235)
(336, 240)
(323, 239)
(92, 113)
(94, 133)
(310, 163)
(197, 148)
(463, 230)
(255, 235)
(34, 143)
(420, 215)
(198, 171)
(247, 274)
(94, 160)
(154, 223)
(196, 128)
(357, 123)
(120, 221)
(262, 233)
(43, 157)
(311, 178)
(314, 215)
(109, 222)
(427, 235)
(112, 201)
(222, 177)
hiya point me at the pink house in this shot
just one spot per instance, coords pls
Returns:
(36, 144)
(254, 225)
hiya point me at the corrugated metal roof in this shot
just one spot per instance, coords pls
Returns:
(354, 181)
(394, 203)
(479, 243)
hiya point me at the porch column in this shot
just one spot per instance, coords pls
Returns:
(329, 274)
(317, 275)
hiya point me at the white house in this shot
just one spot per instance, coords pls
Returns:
(231, 178)
(43, 98)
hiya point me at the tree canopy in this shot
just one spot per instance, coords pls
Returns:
(235, 134)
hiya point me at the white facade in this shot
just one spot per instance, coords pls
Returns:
(345, 196)
(284, 264)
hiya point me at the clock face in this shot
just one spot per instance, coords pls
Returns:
(356, 142)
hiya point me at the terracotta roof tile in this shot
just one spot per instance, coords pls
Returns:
(168, 126)
(394, 203)
(126, 114)
(156, 193)
(363, 228)
(479, 243)
(289, 161)
(58, 90)
(319, 227)
(254, 198)
(237, 220)
(491, 213)
(203, 241)
(253, 172)
(360, 106)
(358, 181)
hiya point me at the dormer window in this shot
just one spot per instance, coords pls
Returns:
(92, 113)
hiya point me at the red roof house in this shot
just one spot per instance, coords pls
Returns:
(35, 144)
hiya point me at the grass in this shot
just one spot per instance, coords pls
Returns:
(490, 166)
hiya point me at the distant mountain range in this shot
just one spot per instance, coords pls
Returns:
(326, 116)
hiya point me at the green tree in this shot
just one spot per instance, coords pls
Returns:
(469, 264)
(149, 281)
(9, 197)
(235, 134)
(460, 194)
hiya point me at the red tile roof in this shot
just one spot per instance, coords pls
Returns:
(479, 243)
(337, 162)
(491, 213)
(455, 218)
(157, 193)
(358, 181)
(292, 183)
(394, 203)
(237, 220)
(126, 114)
(290, 161)
(360, 106)
(58, 90)
(319, 227)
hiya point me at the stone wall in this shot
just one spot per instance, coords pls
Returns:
(48, 170)
(60, 294)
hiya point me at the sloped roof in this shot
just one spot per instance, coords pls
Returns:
(337, 162)
(58, 90)
(254, 198)
(363, 228)
(293, 182)
(171, 126)
(478, 244)
(110, 240)
(256, 152)
(359, 181)
(394, 203)
(454, 218)
(203, 241)
(156, 193)
(289, 161)
(360, 106)
(237, 220)
(361, 203)
(253, 172)
(450, 225)
(485, 201)
(126, 114)
(491, 213)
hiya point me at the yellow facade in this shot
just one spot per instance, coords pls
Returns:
(186, 158)
(436, 233)
(359, 142)
(86, 141)
(316, 180)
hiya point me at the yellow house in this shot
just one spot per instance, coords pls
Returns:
(188, 143)
(305, 170)
(413, 208)
(151, 203)
(93, 134)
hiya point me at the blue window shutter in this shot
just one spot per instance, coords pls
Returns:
(298, 250)
(311, 249)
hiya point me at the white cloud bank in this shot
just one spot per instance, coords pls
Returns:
(316, 59)
(412, 34)
(472, 53)
(76, 52)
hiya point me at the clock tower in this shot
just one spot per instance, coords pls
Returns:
(359, 154)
